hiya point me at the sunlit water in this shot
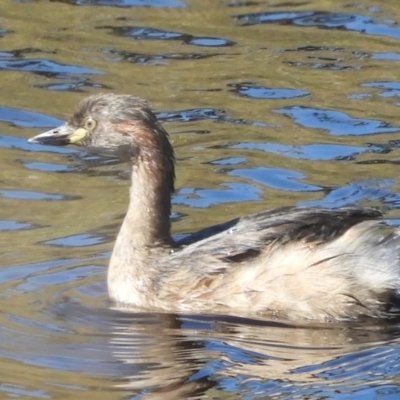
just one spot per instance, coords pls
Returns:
(268, 104)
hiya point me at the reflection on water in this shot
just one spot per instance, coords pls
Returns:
(184, 355)
(267, 104)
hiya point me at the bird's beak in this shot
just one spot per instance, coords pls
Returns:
(61, 136)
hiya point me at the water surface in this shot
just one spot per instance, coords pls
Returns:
(268, 104)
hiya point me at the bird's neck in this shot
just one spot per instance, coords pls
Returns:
(147, 221)
(145, 232)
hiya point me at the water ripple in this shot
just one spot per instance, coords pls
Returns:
(201, 198)
(276, 178)
(255, 91)
(9, 225)
(45, 67)
(335, 122)
(142, 58)
(30, 195)
(26, 119)
(147, 33)
(325, 20)
(125, 3)
(313, 152)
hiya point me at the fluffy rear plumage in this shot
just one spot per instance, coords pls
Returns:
(309, 263)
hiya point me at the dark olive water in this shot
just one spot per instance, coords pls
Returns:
(268, 103)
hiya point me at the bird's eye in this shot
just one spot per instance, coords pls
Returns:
(90, 123)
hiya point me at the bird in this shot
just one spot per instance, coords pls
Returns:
(293, 263)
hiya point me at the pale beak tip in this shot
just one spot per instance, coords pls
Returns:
(54, 137)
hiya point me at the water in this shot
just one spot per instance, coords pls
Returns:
(268, 104)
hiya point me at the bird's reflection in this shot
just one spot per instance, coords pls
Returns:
(164, 360)
(173, 356)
